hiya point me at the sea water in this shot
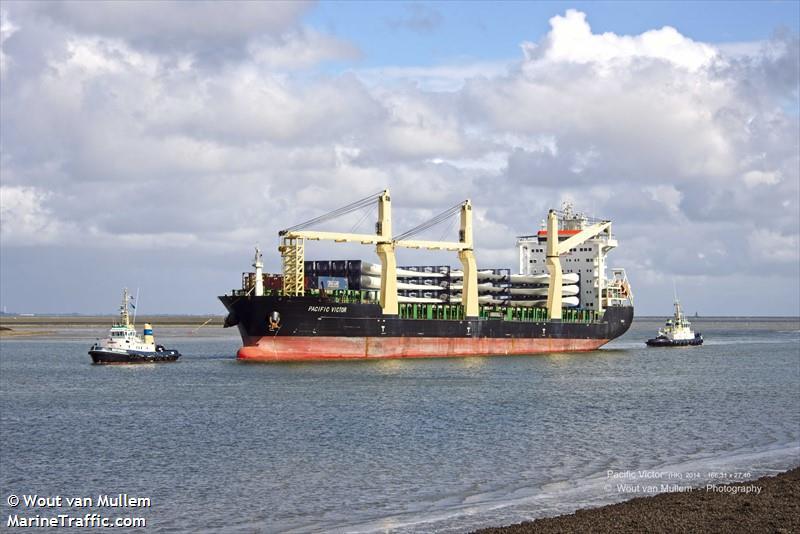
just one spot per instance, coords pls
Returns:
(438, 445)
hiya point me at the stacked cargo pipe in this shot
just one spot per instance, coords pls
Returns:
(531, 289)
(493, 286)
(423, 283)
(430, 283)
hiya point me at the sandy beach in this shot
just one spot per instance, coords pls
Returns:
(775, 509)
(10, 332)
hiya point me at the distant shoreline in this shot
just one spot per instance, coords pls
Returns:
(775, 509)
(17, 322)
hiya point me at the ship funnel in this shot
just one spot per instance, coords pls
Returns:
(148, 333)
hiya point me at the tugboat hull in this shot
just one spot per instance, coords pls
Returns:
(664, 342)
(103, 357)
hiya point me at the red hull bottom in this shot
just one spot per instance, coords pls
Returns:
(289, 349)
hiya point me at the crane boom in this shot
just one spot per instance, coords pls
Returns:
(293, 243)
(431, 245)
(293, 239)
(577, 239)
(339, 237)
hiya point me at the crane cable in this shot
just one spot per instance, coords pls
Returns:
(429, 223)
(344, 210)
(367, 213)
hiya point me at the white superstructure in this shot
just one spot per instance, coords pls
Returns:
(678, 328)
(122, 336)
(587, 261)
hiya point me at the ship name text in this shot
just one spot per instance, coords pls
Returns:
(328, 309)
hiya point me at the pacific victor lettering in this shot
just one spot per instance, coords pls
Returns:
(328, 309)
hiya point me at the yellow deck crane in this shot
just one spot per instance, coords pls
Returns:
(464, 247)
(293, 245)
(555, 249)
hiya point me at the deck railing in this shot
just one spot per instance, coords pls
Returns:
(444, 311)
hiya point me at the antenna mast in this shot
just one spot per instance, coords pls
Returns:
(136, 300)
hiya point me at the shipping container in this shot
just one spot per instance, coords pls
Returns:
(322, 268)
(354, 280)
(273, 281)
(354, 266)
(331, 283)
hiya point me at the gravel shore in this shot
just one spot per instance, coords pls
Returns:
(775, 510)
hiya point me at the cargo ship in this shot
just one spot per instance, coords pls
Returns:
(339, 310)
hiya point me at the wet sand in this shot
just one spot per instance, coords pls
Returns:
(775, 510)
(8, 332)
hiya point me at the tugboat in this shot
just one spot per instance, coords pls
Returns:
(124, 345)
(677, 332)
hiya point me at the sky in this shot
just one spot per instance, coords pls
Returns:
(152, 145)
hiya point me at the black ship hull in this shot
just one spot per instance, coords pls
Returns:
(278, 328)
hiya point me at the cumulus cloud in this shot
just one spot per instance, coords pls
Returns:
(25, 219)
(301, 49)
(202, 34)
(571, 41)
(208, 137)
(659, 120)
(204, 27)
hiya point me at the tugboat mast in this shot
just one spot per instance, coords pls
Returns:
(123, 309)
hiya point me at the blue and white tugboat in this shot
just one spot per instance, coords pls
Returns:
(677, 332)
(124, 345)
